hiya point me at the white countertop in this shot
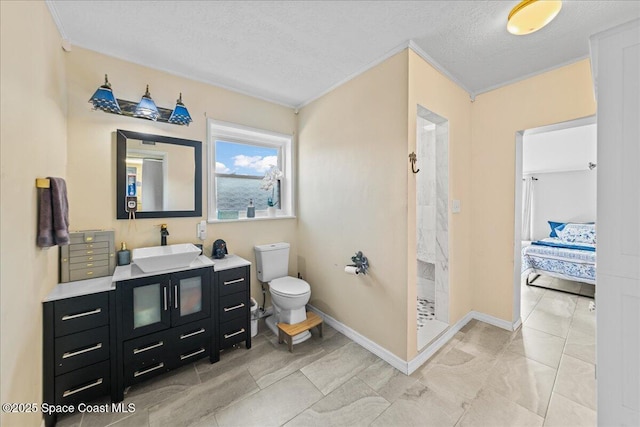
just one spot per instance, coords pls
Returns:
(80, 287)
(228, 262)
(132, 271)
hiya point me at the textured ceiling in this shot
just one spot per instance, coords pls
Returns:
(291, 52)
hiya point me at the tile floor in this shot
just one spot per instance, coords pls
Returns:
(542, 374)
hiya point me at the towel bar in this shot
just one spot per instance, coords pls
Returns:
(43, 183)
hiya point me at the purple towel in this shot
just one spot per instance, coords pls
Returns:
(53, 217)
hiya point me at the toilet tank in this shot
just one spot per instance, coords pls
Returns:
(272, 261)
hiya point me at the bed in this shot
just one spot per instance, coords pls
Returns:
(568, 253)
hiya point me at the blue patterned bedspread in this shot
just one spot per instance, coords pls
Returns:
(559, 261)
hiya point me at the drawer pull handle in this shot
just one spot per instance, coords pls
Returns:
(183, 336)
(235, 307)
(231, 282)
(79, 389)
(233, 334)
(86, 313)
(90, 265)
(85, 350)
(146, 371)
(89, 273)
(186, 356)
(165, 298)
(151, 347)
(89, 252)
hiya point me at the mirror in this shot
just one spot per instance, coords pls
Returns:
(163, 174)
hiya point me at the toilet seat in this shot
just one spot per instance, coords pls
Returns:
(289, 286)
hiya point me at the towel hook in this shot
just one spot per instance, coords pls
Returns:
(412, 160)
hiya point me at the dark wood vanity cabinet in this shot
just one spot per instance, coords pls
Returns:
(77, 351)
(163, 322)
(234, 306)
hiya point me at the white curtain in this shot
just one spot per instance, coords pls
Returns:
(527, 196)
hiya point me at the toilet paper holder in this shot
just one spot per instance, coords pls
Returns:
(360, 262)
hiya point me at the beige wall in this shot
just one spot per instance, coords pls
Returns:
(556, 96)
(353, 196)
(91, 151)
(435, 92)
(33, 138)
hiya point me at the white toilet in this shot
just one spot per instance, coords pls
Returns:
(289, 295)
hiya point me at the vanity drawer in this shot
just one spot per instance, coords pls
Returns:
(88, 258)
(232, 281)
(191, 333)
(136, 372)
(192, 353)
(233, 332)
(81, 349)
(147, 349)
(83, 385)
(88, 273)
(233, 306)
(81, 313)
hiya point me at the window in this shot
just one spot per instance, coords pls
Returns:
(239, 158)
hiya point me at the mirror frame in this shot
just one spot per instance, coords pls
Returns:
(121, 174)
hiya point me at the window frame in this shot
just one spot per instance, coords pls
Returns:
(240, 134)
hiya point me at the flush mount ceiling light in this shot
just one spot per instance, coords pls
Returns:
(146, 107)
(180, 114)
(103, 99)
(531, 15)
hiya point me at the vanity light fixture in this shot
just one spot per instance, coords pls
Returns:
(103, 99)
(146, 107)
(531, 15)
(180, 115)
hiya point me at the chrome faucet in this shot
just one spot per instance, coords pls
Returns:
(163, 234)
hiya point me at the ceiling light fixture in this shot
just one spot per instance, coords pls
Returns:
(531, 15)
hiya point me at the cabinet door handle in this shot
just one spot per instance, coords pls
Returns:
(79, 389)
(85, 350)
(165, 298)
(186, 356)
(146, 371)
(151, 347)
(183, 336)
(231, 282)
(235, 307)
(233, 334)
(175, 296)
(86, 313)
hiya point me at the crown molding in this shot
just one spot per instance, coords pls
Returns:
(56, 18)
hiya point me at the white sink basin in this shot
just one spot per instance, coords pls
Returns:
(158, 258)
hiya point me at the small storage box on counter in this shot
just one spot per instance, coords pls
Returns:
(90, 254)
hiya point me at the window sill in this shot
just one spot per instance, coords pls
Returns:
(260, 218)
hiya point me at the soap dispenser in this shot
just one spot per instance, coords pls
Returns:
(124, 255)
(251, 210)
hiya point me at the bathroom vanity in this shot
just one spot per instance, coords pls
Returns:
(103, 335)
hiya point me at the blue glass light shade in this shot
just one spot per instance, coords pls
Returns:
(103, 99)
(180, 115)
(147, 108)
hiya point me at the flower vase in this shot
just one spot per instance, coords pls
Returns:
(271, 211)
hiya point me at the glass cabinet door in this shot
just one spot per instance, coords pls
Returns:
(145, 306)
(191, 296)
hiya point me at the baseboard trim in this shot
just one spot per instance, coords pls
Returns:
(409, 367)
(363, 341)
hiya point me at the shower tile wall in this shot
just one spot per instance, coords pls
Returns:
(426, 281)
(442, 222)
(426, 200)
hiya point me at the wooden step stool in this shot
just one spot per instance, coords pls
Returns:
(286, 332)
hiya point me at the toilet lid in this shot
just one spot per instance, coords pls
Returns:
(289, 286)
